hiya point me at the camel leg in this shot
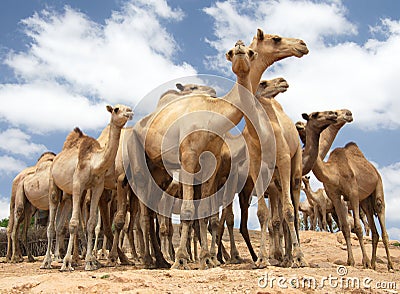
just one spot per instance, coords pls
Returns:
(363, 218)
(133, 210)
(97, 233)
(54, 199)
(341, 212)
(379, 208)
(189, 164)
(19, 211)
(367, 206)
(244, 200)
(155, 243)
(329, 222)
(220, 233)
(358, 230)
(289, 211)
(164, 234)
(63, 211)
(145, 225)
(275, 249)
(235, 257)
(119, 219)
(74, 221)
(262, 214)
(29, 212)
(91, 262)
(11, 224)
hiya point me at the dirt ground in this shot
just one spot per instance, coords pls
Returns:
(324, 251)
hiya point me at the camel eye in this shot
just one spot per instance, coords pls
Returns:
(277, 39)
(193, 88)
(230, 53)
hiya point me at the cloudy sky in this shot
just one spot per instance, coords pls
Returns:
(62, 61)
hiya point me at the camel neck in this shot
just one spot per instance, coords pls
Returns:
(110, 149)
(327, 137)
(240, 99)
(309, 192)
(322, 171)
(257, 68)
(310, 152)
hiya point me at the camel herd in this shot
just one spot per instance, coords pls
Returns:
(138, 176)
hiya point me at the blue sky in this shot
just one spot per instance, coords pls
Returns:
(61, 62)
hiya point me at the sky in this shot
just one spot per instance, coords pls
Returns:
(62, 62)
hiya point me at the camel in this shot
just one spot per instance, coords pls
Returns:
(321, 202)
(308, 211)
(32, 194)
(80, 166)
(347, 172)
(10, 228)
(288, 171)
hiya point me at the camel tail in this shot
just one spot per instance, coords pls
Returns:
(379, 198)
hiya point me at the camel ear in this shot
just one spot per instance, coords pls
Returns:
(305, 116)
(253, 54)
(229, 55)
(260, 34)
(109, 108)
(179, 86)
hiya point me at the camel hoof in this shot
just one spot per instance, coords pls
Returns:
(66, 267)
(31, 259)
(46, 264)
(92, 265)
(235, 260)
(112, 260)
(215, 260)
(261, 263)
(181, 264)
(366, 263)
(350, 262)
(163, 264)
(16, 259)
(207, 263)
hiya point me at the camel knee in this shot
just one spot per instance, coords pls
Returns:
(262, 217)
(119, 221)
(230, 220)
(289, 215)
(73, 226)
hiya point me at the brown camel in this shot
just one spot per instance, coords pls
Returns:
(82, 165)
(322, 204)
(308, 212)
(347, 172)
(288, 171)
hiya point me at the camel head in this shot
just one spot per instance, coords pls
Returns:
(194, 88)
(241, 58)
(271, 88)
(272, 48)
(301, 129)
(344, 116)
(320, 119)
(306, 180)
(120, 114)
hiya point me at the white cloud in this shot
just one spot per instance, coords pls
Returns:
(335, 74)
(394, 233)
(9, 165)
(17, 142)
(74, 65)
(391, 185)
(4, 208)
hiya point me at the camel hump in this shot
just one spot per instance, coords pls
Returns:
(49, 154)
(78, 131)
(354, 149)
(87, 146)
(73, 138)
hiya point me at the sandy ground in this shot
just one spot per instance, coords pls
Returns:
(324, 251)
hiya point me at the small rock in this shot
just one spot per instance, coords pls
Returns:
(339, 262)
